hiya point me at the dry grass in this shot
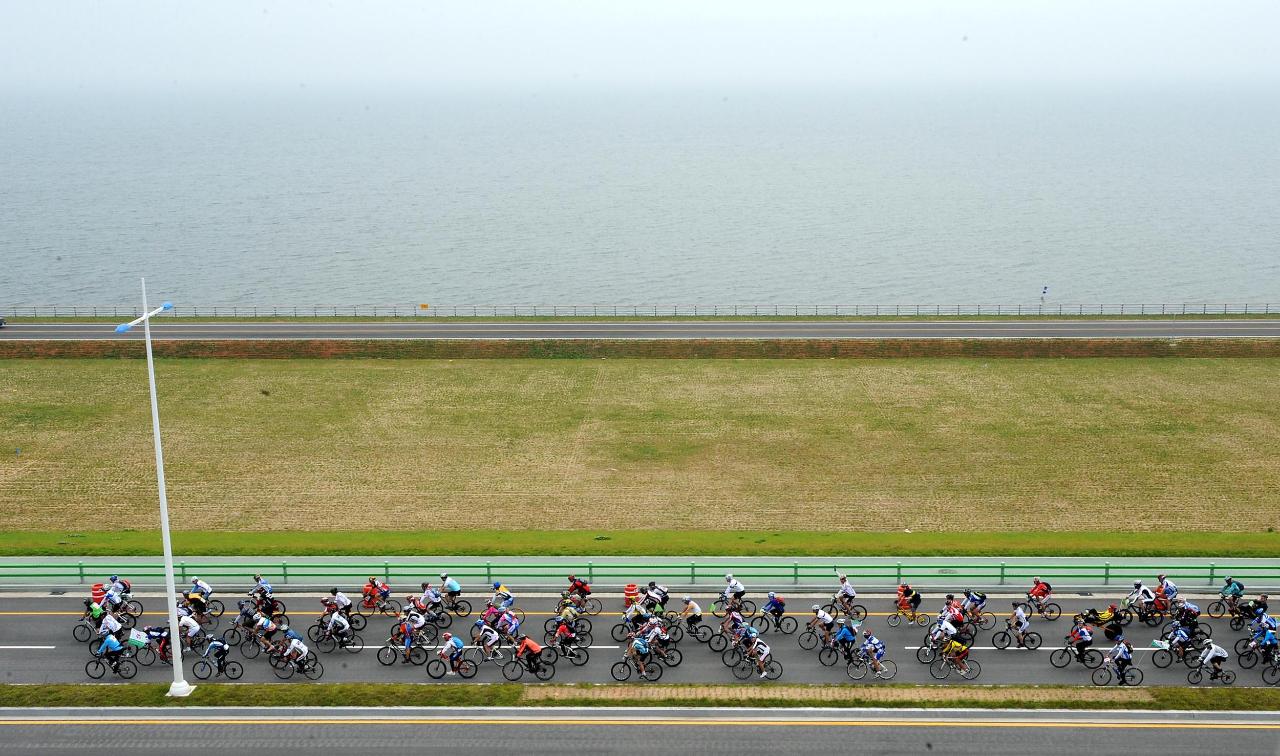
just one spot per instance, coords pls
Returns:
(865, 694)
(616, 444)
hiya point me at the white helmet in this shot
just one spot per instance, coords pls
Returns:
(844, 576)
(816, 607)
(728, 576)
(444, 576)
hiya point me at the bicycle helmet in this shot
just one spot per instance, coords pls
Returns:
(87, 602)
(564, 594)
(195, 580)
(480, 623)
(653, 584)
(687, 600)
(950, 597)
(573, 578)
(1227, 579)
(772, 594)
(728, 576)
(496, 585)
(844, 576)
(1161, 576)
(1035, 580)
(284, 628)
(257, 576)
(866, 633)
(840, 621)
(816, 607)
(523, 637)
(333, 591)
(114, 578)
(1137, 584)
(447, 636)
(444, 576)
(426, 586)
(1015, 604)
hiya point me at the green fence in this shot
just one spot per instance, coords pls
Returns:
(616, 573)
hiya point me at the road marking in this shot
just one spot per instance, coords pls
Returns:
(1042, 648)
(27, 648)
(690, 722)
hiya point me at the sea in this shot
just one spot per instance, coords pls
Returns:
(697, 195)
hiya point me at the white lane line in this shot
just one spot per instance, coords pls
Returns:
(26, 648)
(1042, 648)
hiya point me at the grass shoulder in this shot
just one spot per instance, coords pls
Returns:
(321, 319)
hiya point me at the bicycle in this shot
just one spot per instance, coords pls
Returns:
(942, 667)
(910, 616)
(1102, 676)
(328, 643)
(459, 607)
(767, 622)
(1091, 658)
(437, 668)
(96, 668)
(836, 607)
(859, 665)
(1031, 640)
(745, 668)
(1166, 654)
(204, 669)
(622, 670)
(746, 607)
(1225, 677)
(392, 650)
(515, 669)
(310, 668)
(1048, 610)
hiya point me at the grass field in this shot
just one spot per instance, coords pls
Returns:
(929, 445)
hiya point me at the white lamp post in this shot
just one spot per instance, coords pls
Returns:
(180, 687)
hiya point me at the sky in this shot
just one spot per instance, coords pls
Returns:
(109, 44)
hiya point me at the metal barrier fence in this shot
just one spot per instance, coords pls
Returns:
(984, 574)
(643, 310)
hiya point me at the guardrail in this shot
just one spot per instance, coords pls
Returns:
(644, 310)
(692, 574)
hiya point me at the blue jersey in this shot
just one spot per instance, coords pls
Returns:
(452, 586)
(454, 645)
(109, 643)
(775, 604)
(845, 636)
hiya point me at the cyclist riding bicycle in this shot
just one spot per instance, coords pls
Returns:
(109, 625)
(530, 653)
(1122, 655)
(340, 601)
(565, 640)
(580, 587)
(1232, 591)
(1167, 586)
(94, 611)
(339, 628)
(636, 651)
(845, 594)
(201, 587)
(692, 613)
(1141, 597)
(1081, 638)
(1213, 655)
(261, 587)
(909, 599)
(1019, 624)
(451, 649)
(450, 587)
(1039, 593)
(822, 620)
(776, 606)
(502, 597)
(873, 649)
(758, 651)
(957, 652)
(487, 638)
(973, 604)
(110, 650)
(734, 591)
(655, 596)
(219, 651)
(296, 652)
(846, 637)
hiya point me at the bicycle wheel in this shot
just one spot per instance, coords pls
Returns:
(1032, 640)
(387, 656)
(467, 669)
(701, 633)
(549, 655)
(653, 670)
(922, 620)
(1229, 678)
(676, 633)
(513, 670)
(436, 669)
(987, 621)
(856, 669)
(95, 646)
(1001, 640)
(216, 608)
(731, 656)
(126, 669)
(1162, 658)
(619, 632)
(773, 670)
(808, 640)
(858, 612)
(1132, 676)
(1271, 675)
(586, 639)
(146, 656)
(127, 621)
(592, 606)
(1237, 623)
(888, 671)
(95, 668)
(580, 657)
(358, 621)
(391, 608)
(313, 671)
(1051, 611)
(1101, 676)
(1092, 658)
(1195, 676)
(788, 625)
(284, 672)
(673, 657)
(718, 642)
(743, 669)
(82, 632)
(893, 620)
(250, 648)
(926, 654)
(971, 670)
(939, 669)
(828, 656)
(355, 645)
(620, 671)
(327, 644)
(748, 608)
(233, 636)
(1060, 658)
(762, 623)
(1248, 660)
(1217, 609)
(545, 672)
(203, 670)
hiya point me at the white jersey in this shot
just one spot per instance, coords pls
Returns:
(846, 589)
(109, 624)
(735, 586)
(825, 618)
(693, 609)
(341, 601)
(298, 646)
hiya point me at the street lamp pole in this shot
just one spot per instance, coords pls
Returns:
(179, 687)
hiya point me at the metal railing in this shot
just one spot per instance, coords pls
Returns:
(644, 310)
(692, 573)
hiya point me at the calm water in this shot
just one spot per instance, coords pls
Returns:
(831, 197)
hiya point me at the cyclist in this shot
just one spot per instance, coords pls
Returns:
(114, 583)
(873, 649)
(1141, 597)
(1214, 655)
(219, 651)
(776, 606)
(579, 587)
(111, 599)
(957, 652)
(1081, 638)
(430, 601)
(109, 625)
(638, 649)
(823, 620)
(502, 598)
(1266, 642)
(450, 588)
(508, 624)
(296, 652)
(159, 636)
(190, 629)
(1039, 593)
(340, 601)
(1186, 613)
(93, 610)
(942, 631)
(973, 604)
(110, 651)
(1167, 586)
(289, 634)
(261, 588)
(655, 596)
(692, 613)
(1019, 624)
(339, 628)
(951, 611)
(530, 653)
(1122, 655)
(909, 599)
(1232, 591)
(758, 651)
(487, 638)
(1179, 640)
(734, 590)
(201, 587)
(568, 610)
(267, 628)
(845, 594)
(846, 637)
(451, 649)
(1254, 607)
(565, 639)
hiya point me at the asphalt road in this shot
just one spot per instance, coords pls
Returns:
(36, 646)
(700, 329)
(359, 731)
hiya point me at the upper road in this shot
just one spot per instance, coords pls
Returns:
(660, 329)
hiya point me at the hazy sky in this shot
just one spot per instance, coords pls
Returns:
(546, 43)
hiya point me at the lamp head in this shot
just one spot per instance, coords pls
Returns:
(167, 306)
(123, 328)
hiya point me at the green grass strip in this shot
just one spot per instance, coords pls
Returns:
(640, 543)
(1047, 315)
(389, 694)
